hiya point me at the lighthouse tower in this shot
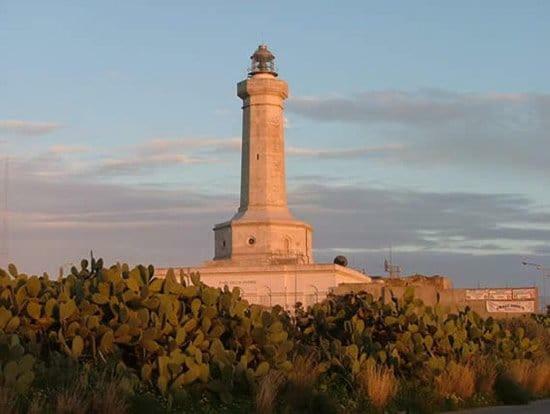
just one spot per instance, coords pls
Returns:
(263, 231)
(263, 249)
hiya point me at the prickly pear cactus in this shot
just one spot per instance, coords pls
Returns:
(176, 332)
(16, 366)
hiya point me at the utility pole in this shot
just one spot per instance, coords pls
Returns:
(4, 217)
(544, 273)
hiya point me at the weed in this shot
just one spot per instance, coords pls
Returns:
(538, 381)
(485, 370)
(457, 380)
(378, 384)
(268, 391)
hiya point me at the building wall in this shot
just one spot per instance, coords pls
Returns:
(498, 302)
(277, 284)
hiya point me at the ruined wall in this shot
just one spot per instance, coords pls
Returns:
(496, 302)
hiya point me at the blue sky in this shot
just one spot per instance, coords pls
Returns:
(425, 121)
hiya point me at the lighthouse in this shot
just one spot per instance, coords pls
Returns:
(263, 249)
(263, 231)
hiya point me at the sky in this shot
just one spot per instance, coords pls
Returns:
(422, 125)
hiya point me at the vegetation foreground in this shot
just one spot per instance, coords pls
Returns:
(116, 340)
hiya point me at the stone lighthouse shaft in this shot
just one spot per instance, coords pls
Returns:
(263, 231)
(263, 163)
(263, 186)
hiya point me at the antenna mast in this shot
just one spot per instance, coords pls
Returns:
(4, 215)
(393, 270)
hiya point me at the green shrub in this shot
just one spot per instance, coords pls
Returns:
(177, 344)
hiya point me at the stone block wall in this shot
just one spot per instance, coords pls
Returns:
(433, 290)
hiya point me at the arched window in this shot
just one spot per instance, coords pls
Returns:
(287, 245)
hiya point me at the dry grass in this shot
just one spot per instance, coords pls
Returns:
(539, 378)
(519, 370)
(268, 391)
(73, 399)
(68, 402)
(533, 376)
(36, 406)
(378, 383)
(7, 400)
(305, 372)
(485, 371)
(457, 380)
(110, 400)
(105, 397)
(300, 390)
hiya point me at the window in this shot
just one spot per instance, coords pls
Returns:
(287, 245)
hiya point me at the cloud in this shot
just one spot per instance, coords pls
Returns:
(371, 219)
(60, 211)
(163, 153)
(166, 145)
(153, 155)
(543, 249)
(347, 153)
(58, 219)
(142, 163)
(56, 162)
(465, 269)
(162, 146)
(160, 153)
(486, 130)
(27, 128)
(55, 220)
(68, 149)
(424, 107)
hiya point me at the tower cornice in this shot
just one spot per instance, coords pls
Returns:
(262, 86)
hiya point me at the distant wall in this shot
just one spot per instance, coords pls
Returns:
(496, 302)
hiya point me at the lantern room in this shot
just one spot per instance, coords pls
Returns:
(262, 61)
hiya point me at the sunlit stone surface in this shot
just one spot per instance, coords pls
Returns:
(263, 248)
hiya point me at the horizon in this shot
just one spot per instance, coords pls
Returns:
(424, 128)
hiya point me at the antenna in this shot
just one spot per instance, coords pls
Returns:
(393, 270)
(4, 215)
